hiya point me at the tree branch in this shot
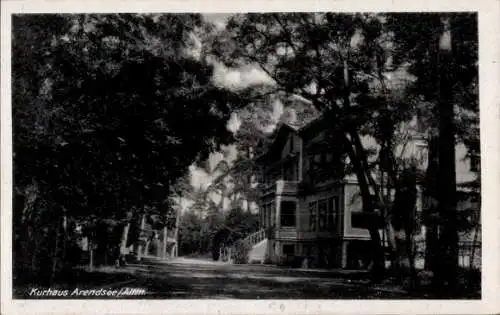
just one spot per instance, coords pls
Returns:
(288, 37)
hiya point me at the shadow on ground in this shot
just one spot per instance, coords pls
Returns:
(224, 281)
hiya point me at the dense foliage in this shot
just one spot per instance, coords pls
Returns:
(103, 114)
(109, 111)
(372, 75)
(203, 235)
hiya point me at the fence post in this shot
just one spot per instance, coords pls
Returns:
(164, 243)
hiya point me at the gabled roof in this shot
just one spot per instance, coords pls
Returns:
(317, 122)
(280, 136)
(284, 126)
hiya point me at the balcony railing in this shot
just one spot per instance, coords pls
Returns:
(292, 233)
(268, 188)
(286, 233)
(281, 187)
(227, 253)
(256, 237)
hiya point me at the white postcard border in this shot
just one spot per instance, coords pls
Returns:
(489, 56)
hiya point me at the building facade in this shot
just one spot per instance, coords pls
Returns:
(307, 204)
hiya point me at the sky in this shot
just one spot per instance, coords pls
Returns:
(241, 77)
(218, 19)
(233, 78)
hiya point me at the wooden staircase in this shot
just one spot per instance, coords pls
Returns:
(257, 240)
(256, 237)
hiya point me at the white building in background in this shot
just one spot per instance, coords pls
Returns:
(316, 227)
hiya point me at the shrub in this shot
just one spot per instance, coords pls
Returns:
(215, 253)
(268, 260)
(241, 250)
(291, 261)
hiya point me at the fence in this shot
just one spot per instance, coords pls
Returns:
(256, 237)
(469, 254)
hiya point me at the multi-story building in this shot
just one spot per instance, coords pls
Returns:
(308, 206)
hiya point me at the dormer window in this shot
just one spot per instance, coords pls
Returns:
(288, 213)
(474, 161)
(329, 157)
(421, 152)
(317, 159)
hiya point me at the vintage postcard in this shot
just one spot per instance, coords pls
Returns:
(264, 157)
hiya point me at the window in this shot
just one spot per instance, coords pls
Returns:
(273, 214)
(317, 159)
(474, 161)
(421, 126)
(314, 166)
(262, 216)
(323, 165)
(288, 249)
(329, 157)
(421, 153)
(267, 215)
(322, 213)
(295, 166)
(310, 166)
(312, 216)
(289, 170)
(323, 158)
(333, 210)
(268, 211)
(288, 213)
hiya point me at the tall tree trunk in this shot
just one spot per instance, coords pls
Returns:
(473, 255)
(358, 158)
(164, 243)
(387, 163)
(175, 247)
(446, 272)
(123, 243)
(391, 241)
(141, 236)
(430, 197)
(410, 249)
(91, 254)
(378, 269)
(55, 256)
(65, 239)
(403, 221)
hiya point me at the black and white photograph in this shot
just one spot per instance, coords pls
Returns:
(318, 155)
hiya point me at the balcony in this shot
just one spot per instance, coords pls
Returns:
(268, 189)
(292, 233)
(286, 187)
(281, 187)
(286, 233)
